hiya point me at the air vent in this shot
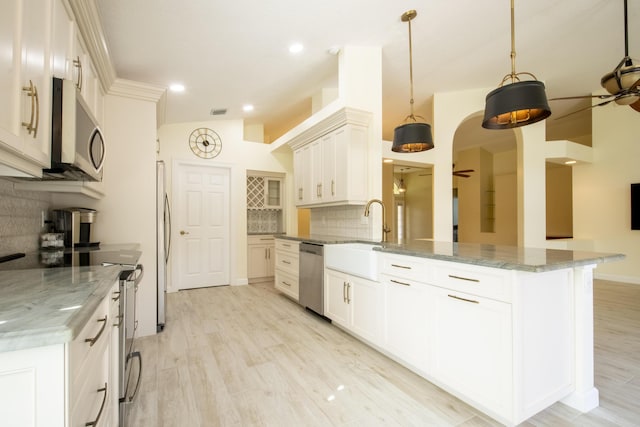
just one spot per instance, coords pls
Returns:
(218, 111)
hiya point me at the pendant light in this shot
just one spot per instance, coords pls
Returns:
(414, 136)
(518, 103)
(402, 187)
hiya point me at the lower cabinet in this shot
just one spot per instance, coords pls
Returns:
(355, 304)
(71, 384)
(471, 347)
(287, 263)
(261, 257)
(407, 308)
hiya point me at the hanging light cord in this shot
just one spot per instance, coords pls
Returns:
(408, 16)
(513, 76)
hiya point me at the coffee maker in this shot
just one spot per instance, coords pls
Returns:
(75, 224)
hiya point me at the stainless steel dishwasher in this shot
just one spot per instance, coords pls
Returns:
(311, 277)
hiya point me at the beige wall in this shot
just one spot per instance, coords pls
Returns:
(418, 201)
(601, 205)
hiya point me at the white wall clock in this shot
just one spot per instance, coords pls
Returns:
(205, 143)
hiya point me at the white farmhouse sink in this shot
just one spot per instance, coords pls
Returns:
(358, 259)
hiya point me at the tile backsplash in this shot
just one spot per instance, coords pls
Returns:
(21, 218)
(339, 221)
(264, 221)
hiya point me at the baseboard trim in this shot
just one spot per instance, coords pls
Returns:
(617, 278)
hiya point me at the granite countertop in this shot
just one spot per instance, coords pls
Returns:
(46, 306)
(504, 257)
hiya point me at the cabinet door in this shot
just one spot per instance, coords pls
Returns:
(329, 167)
(273, 193)
(406, 334)
(351, 170)
(336, 306)
(366, 301)
(9, 86)
(471, 347)
(35, 80)
(315, 166)
(302, 175)
(257, 261)
(271, 259)
(62, 42)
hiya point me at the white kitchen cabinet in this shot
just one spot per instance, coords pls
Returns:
(471, 347)
(302, 175)
(261, 257)
(332, 169)
(25, 83)
(65, 384)
(407, 308)
(355, 304)
(264, 192)
(287, 264)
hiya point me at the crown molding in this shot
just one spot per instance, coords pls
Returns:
(136, 90)
(303, 134)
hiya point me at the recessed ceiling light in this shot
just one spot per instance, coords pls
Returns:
(387, 161)
(176, 87)
(247, 108)
(570, 162)
(296, 48)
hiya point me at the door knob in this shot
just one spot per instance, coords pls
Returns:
(182, 232)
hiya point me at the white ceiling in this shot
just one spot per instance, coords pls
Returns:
(228, 53)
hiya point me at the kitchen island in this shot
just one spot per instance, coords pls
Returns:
(508, 330)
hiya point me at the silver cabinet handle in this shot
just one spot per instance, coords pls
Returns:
(464, 299)
(285, 283)
(333, 188)
(182, 232)
(400, 283)
(401, 266)
(116, 297)
(78, 64)
(136, 355)
(95, 339)
(348, 293)
(284, 261)
(464, 278)
(344, 292)
(104, 400)
(300, 193)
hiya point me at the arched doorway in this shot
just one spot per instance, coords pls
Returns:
(485, 195)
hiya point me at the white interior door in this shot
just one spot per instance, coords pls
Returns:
(203, 224)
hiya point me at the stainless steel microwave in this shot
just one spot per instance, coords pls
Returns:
(77, 144)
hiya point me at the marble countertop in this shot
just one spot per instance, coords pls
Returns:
(504, 257)
(46, 306)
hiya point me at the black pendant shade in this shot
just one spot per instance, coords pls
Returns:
(412, 137)
(516, 104)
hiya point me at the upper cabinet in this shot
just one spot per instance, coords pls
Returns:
(25, 83)
(330, 162)
(40, 40)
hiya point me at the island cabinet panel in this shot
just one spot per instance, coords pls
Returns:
(471, 344)
(407, 307)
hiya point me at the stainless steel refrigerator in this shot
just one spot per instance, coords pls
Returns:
(163, 238)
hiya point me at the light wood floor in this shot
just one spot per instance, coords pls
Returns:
(248, 356)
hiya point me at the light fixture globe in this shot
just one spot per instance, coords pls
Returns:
(516, 104)
(412, 138)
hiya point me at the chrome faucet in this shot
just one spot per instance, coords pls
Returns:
(385, 230)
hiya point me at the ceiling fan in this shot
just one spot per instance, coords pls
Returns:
(463, 173)
(623, 83)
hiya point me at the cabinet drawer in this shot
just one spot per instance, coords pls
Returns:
(90, 399)
(482, 281)
(287, 262)
(414, 268)
(287, 245)
(98, 329)
(260, 240)
(287, 284)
